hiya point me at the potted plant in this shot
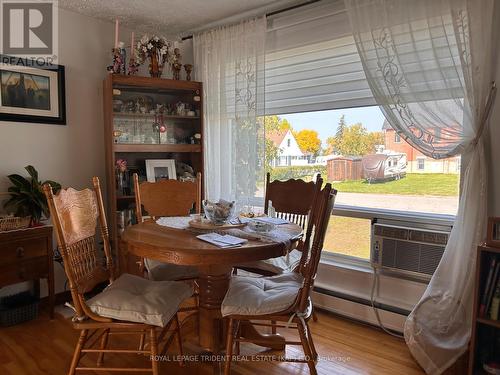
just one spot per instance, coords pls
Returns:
(27, 197)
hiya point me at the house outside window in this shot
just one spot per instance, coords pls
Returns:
(365, 134)
(288, 142)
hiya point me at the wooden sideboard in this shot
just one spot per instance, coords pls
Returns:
(27, 254)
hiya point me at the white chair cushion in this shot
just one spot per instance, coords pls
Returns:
(134, 299)
(277, 265)
(249, 295)
(159, 271)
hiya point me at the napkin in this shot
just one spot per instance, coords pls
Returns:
(223, 241)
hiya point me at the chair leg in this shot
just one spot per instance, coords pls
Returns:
(141, 341)
(229, 346)
(154, 350)
(104, 343)
(273, 327)
(237, 344)
(78, 351)
(315, 317)
(302, 328)
(311, 343)
(179, 340)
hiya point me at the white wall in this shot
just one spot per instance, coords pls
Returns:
(69, 154)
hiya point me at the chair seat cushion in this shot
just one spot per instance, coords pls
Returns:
(261, 295)
(159, 271)
(134, 299)
(277, 265)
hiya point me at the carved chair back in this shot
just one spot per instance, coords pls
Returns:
(292, 199)
(167, 197)
(75, 215)
(311, 253)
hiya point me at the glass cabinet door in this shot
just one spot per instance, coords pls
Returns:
(142, 116)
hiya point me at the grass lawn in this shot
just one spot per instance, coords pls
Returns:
(412, 184)
(348, 236)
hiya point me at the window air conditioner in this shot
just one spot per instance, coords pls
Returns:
(407, 250)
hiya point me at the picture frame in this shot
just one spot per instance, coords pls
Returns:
(32, 93)
(493, 232)
(160, 169)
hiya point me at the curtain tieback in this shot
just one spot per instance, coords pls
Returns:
(486, 113)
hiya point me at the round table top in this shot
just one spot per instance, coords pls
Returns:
(180, 246)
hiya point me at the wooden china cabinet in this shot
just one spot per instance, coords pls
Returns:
(147, 118)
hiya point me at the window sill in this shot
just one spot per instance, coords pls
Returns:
(346, 262)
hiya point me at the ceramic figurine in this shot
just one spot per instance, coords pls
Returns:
(117, 62)
(133, 67)
(123, 58)
(188, 68)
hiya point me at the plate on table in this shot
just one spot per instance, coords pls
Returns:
(207, 225)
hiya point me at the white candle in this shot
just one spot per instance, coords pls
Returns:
(132, 46)
(116, 32)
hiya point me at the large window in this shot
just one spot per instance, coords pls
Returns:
(356, 150)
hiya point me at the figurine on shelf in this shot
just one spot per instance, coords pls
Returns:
(180, 107)
(123, 58)
(188, 68)
(122, 178)
(117, 62)
(176, 71)
(176, 64)
(133, 67)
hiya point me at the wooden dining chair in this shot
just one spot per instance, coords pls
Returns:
(167, 198)
(293, 201)
(283, 298)
(129, 304)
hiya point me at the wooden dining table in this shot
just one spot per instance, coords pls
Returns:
(215, 265)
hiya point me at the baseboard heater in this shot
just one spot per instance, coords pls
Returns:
(362, 301)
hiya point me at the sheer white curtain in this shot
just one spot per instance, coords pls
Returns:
(229, 61)
(428, 64)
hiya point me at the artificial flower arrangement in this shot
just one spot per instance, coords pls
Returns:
(158, 50)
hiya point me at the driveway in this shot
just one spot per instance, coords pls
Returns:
(415, 203)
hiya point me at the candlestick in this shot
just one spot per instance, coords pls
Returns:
(132, 48)
(116, 32)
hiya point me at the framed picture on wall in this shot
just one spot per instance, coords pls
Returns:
(160, 169)
(29, 93)
(493, 232)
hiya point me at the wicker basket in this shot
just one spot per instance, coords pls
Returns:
(13, 223)
(19, 308)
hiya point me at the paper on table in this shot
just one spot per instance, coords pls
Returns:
(272, 220)
(222, 240)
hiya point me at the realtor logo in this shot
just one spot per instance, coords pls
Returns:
(29, 28)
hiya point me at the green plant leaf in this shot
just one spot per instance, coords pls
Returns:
(27, 196)
(19, 181)
(32, 172)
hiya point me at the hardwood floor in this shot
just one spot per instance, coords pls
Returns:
(345, 348)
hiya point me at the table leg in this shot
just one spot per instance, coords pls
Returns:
(213, 282)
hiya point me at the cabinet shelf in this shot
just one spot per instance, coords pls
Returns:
(489, 322)
(121, 147)
(125, 197)
(151, 115)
